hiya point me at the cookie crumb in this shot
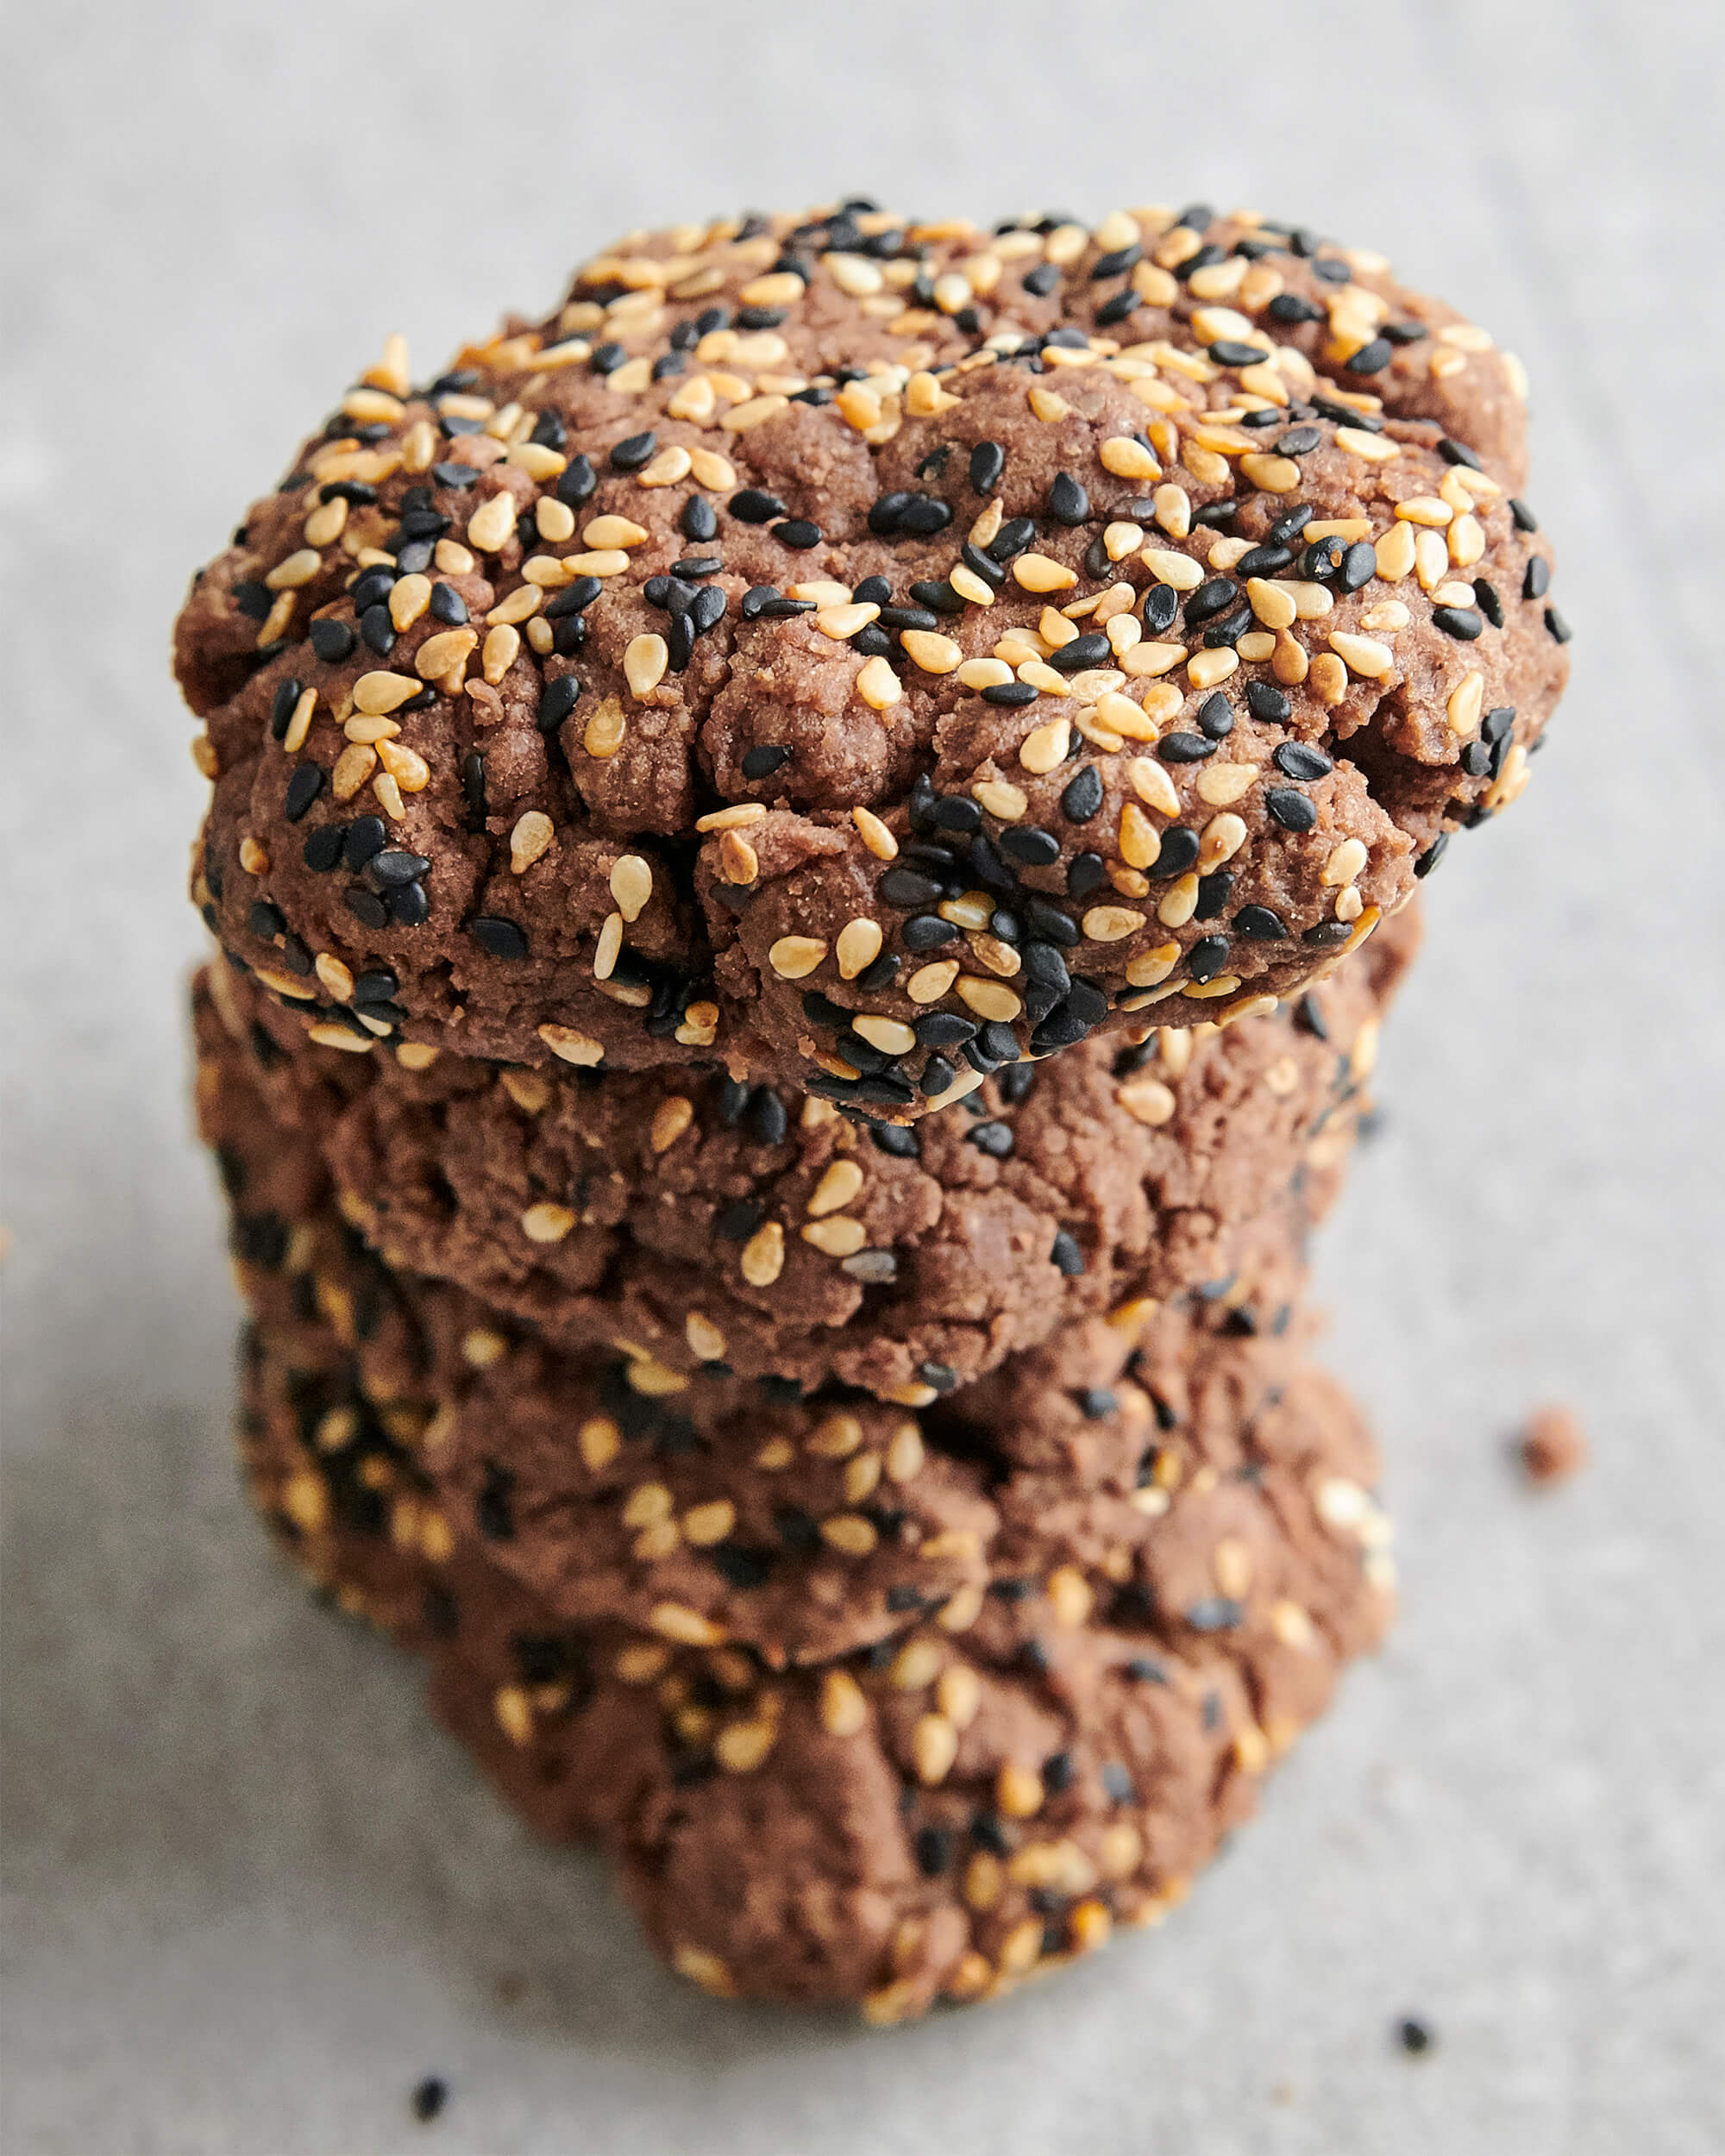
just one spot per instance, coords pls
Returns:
(1415, 2037)
(1551, 1447)
(430, 2097)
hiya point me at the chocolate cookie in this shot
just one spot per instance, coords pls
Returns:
(871, 654)
(985, 1791)
(715, 1508)
(705, 1222)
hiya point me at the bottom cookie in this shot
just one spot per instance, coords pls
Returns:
(979, 1795)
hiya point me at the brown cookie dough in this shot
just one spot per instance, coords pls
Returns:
(707, 1223)
(868, 654)
(985, 1792)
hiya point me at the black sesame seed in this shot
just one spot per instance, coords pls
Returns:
(1031, 844)
(937, 1074)
(1525, 520)
(1294, 810)
(762, 762)
(1207, 956)
(1371, 359)
(1068, 503)
(332, 641)
(1229, 351)
(754, 505)
(1537, 581)
(1260, 923)
(365, 906)
(322, 849)
(894, 1140)
(1215, 715)
(798, 534)
(502, 939)
(988, 461)
(631, 455)
(1085, 873)
(394, 865)
(365, 837)
(409, 907)
(1041, 280)
(1299, 760)
(1083, 652)
(1082, 796)
(924, 514)
(1359, 566)
(428, 2098)
(1560, 630)
(1415, 2037)
(1046, 921)
(699, 521)
(1011, 693)
(557, 702)
(1161, 605)
(303, 786)
(578, 482)
(933, 1846)
(938, 596)
(286, 696)
(1298, 441)
(1066, 1256)
(1262, 561)
(736, 1222)
(1214, 596)
(1459, 622)
(1014, 536)
(1290, 307)
(1432, 855)
(994, 1139)
(1185, 748)
(1214, 893)
(905, 888)
(958, 813)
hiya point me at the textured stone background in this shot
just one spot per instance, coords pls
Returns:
(254, 1896)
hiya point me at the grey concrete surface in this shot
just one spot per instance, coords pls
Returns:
(252, 1895)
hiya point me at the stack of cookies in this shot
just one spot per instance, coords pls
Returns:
(807, 854)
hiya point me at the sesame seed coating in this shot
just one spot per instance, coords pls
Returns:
(945, 521)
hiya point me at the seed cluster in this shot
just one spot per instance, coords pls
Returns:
(494, 623)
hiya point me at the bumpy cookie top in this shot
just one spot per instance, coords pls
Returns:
(868, 652)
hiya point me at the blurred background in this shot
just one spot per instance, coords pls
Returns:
(254, 1896)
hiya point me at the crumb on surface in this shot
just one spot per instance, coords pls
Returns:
(1553, 1446)
(430, 2097)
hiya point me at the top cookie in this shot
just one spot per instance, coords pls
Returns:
(869, 652)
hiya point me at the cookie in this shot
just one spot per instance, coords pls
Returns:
(984, 1793)
(719, 1508)
(956, 652)
(707, 1222)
